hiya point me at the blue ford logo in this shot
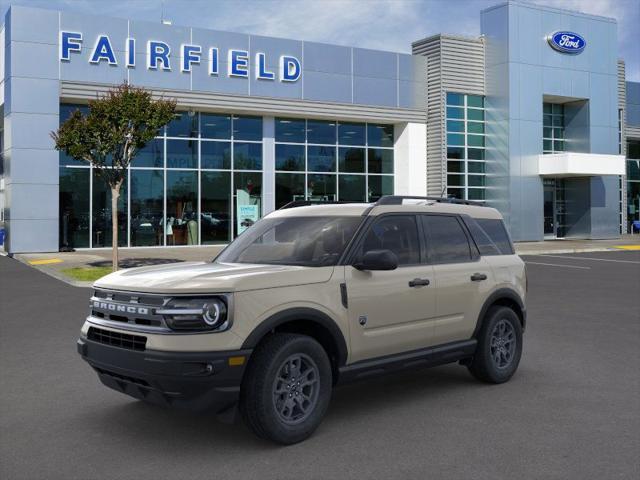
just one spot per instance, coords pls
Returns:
(567, 42)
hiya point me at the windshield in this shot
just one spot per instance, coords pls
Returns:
(304, 241)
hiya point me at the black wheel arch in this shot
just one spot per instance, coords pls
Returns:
(307, 321)
(505, 297)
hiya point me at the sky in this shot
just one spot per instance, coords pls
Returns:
(378, 24)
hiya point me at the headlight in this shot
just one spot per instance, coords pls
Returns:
(196, 314)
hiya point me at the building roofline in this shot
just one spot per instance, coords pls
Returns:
(520, 3)
(466, 38)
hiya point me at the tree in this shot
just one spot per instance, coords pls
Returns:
(117, 126)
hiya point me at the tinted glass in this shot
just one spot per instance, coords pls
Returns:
(476, 180)
(455, 180)
(215, 126)
(152, 155)
(182, 153)
(475, 127)
(215, 207)
(455, 126)
(455, 98)
(351, 188)
(182, 208)
(379, 185)
(319, 131)
(380, 161)
(147, 188)
(380, 135)
(485, 245)
(455, 139)
(247, 191)
(497, 232)
(321, 159)
(455, 167)
(101, 226)
(247, 128)
(247, 156)
(351, 159)
(307, 241)
(184, 124)
(455, 152)
(475, 153)
(475, 194)
(289, 187)
(74, 207)
(290, 157)
(476, 167)
(475, 101)
(475, 140)
(66, 109)
(321, 187)
(215, 155)
(290, 130)
(473, 114)
(455, 112)
(398, 233)
(351, 133)
(447, 241)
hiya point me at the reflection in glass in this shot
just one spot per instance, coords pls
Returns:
(351, 160)
(152, 155)
(321, 188)
(290, 157)
(247, 190)
(247, 128)
(247, 156)
(215, 126)
(290, 130)
(182, 153)
(351, 133)
(351, 188)
(455, 98)
(184, 124)
(66, 109)
(182, 207)
(321, 159)
(379, 135)
(101, 226)
(379, 185)
(289, 187)
(147, 188)
(215, 207)
(74, 207)
(320, 131)
(215, 155)
(380, 161)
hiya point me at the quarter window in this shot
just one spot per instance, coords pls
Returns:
(447, 241)
(398, 233)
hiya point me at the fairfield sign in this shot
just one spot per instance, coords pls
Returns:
(159, 56)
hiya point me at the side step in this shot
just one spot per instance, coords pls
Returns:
(425, 357)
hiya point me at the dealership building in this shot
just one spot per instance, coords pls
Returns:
(533, 117)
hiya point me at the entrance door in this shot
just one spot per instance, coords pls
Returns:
(555, 208)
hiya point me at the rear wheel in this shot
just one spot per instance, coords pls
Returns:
(499, 346)
(286, 389)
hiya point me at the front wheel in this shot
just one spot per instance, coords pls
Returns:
(287, 388)
(499, 346)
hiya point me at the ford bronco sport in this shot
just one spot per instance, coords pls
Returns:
(310, 297)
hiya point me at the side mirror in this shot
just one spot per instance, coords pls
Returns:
(377, 260)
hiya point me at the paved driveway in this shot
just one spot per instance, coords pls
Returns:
(572, 410)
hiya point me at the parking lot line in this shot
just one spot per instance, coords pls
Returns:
(590, 258)
(627, 247)
(558, 265)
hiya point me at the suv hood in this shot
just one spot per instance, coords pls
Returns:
(205, 277)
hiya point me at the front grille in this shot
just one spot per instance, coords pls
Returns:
(117, 339)
(130, 308)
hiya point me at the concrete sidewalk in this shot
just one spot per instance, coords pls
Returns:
(54, 263)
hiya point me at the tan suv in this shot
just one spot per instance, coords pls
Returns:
(310, 297)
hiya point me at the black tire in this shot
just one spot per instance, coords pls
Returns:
(263, 405)
(495, 360)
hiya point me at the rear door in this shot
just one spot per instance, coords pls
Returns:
(462, 277)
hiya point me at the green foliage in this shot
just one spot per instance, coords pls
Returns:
(87, 274)
(117, 126)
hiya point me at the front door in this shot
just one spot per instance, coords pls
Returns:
(391, 311)
(555, 208)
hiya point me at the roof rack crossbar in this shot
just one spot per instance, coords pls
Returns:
(306, 203)
(398, 199)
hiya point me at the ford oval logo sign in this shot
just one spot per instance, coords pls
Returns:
(567, 42)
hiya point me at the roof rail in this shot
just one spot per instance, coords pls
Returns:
(397, 200)
(307, 203)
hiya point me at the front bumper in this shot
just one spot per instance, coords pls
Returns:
(191, 380)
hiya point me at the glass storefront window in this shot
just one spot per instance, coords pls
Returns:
(215, 155)
(290, 130)
(455, 126)
(380, 161)
(247, 156)
(455, 152)
(476, 167)
(475, 154)
(321, 187)
(380, 135)
(321, 159)
(290, 157)
(185, 124)
(475, 101)
(215, 207)
(152, 155)
(320, 131)
(289, 187)
(215, 126)
(182, 154)
(455, 167)
(351, 160)
(247, 191)
(66, 109)
(475, 140)
(455, 139)
(379, 185)
(351, 133)
(455, 180)
(74, 207)
(477, 115)
(147, 219)
(247, 128)
(455, 113)
(101, 217)
(182, 205)
(352, 188)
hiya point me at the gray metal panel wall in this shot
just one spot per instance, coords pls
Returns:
(622, 101)
(454, 64)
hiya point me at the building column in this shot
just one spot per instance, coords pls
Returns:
(410, 159)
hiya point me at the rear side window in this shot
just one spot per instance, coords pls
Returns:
(446, 239)
(495, 229)
(485, 245)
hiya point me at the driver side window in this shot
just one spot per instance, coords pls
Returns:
(397, 233)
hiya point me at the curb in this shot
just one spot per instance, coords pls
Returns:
(54, 274)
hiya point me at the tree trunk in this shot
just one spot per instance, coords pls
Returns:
(115, 193)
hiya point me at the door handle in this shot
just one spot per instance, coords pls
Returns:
(419, 282)
(478, 277)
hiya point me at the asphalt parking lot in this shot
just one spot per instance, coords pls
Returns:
(571, 411)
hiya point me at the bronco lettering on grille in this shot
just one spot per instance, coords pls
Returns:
(115, 307)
